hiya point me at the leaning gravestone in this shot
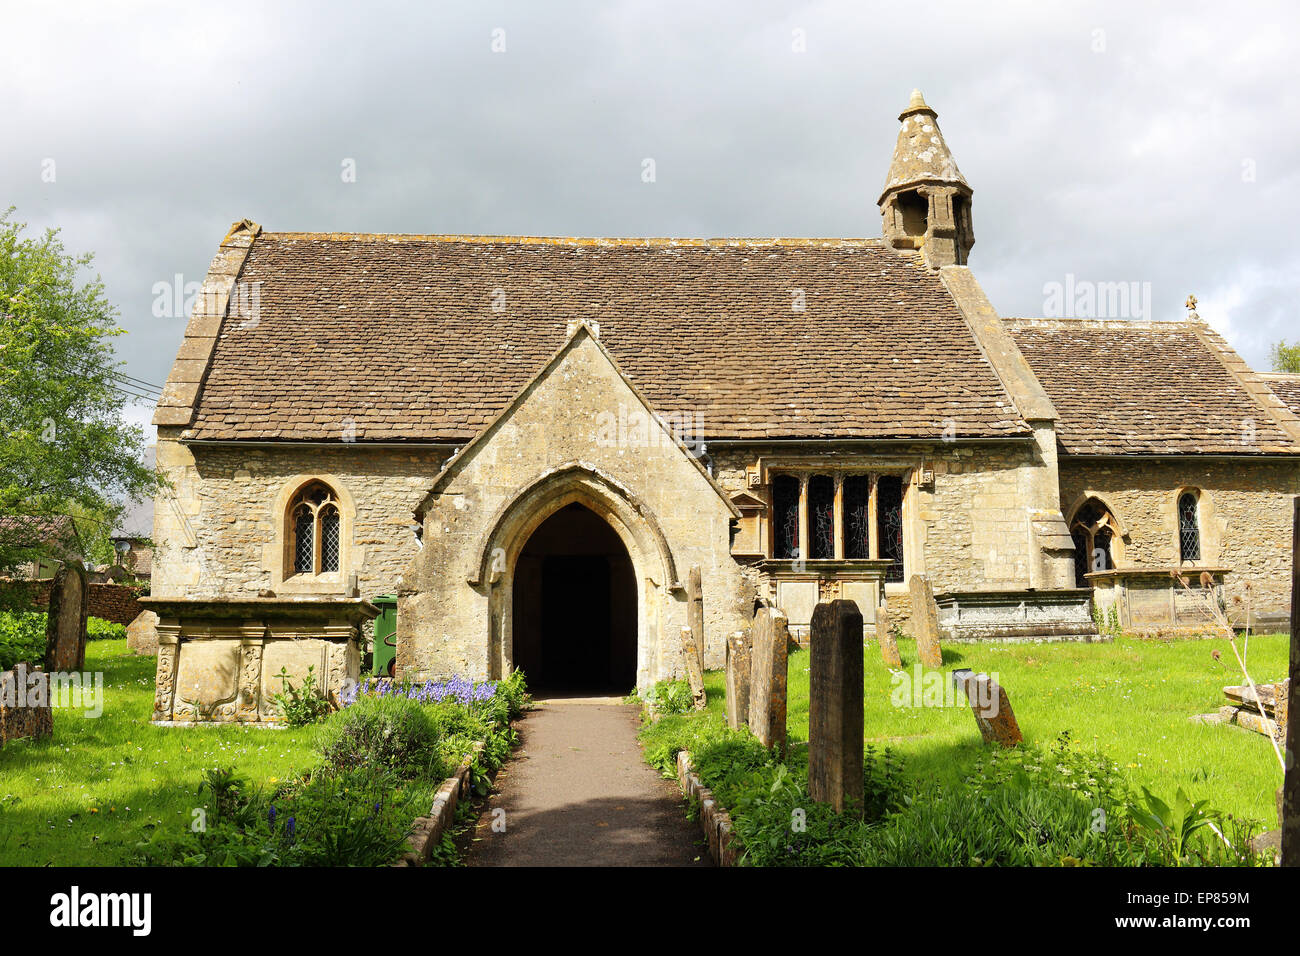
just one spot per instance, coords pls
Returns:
(835, 706)
(65, 627)
(142, 634)
(694, 670)
(991, 706)
(25, 705)
(767, 680)
(925, 622)
(738, 680)
(885, 637)
(695, 609)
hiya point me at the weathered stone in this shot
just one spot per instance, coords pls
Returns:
(738, 680)
(694, 671)
(991, 706)
(925, 616)
(25, 706)
(695, 610)
(767, 687)
(1290, 807)
(835, 706)
(885, 637)
(65, 628)
(142, 633)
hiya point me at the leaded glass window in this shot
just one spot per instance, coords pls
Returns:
(1189, 528)
(889, 516)
(785, 510)
(857, 516)
(316, 529)
(821, 516)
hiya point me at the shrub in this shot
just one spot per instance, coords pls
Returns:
(394, 733)
(304, 703)
(97, 629)
(22, 637)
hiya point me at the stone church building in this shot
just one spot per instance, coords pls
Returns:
(533, 441)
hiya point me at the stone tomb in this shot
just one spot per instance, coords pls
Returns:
(1020, 616)
(220, 661)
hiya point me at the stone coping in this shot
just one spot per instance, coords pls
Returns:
(869, 568)
(715, 821)
(1119, 574)
(426, 832)
(1050, 596)
(246, 608)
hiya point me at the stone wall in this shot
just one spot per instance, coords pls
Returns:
(218, 531)
(1245, 518)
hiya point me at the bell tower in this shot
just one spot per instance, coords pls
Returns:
(926, 202)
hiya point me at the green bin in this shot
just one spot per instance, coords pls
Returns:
(385, 650)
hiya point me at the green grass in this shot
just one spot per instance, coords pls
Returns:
(87, 795)
(1131, 699)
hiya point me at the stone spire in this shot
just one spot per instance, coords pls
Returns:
(926, 202)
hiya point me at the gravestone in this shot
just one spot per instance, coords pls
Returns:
(991, 706)
(65, 627)
(694, 670)
(767, 682)
(142, 633)
(835, 706)
(695, 609)
(25, 706)
(885, 637)
(738, 680)
(925, 622)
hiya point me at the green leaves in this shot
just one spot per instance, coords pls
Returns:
(1173, 827)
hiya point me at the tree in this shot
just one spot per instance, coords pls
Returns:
(1286, 358)
(64, 447)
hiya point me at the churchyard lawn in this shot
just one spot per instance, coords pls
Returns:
(87, 795)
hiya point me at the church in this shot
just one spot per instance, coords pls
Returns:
(537, 444)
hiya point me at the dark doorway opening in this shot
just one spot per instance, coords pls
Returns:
(574, 615)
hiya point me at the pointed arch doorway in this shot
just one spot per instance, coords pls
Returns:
(574, 607)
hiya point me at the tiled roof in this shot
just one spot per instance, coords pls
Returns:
(398, 336)
(1124, 387)
(1285, 386)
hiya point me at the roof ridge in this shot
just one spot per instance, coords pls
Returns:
(736, 241)
(1030, 321)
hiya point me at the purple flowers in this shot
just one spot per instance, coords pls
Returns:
(289, 827)
(271, 816)
(460, 689)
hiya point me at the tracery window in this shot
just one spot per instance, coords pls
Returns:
(850, 516)
(1189, 527)
(1094, 530)
(314, 519)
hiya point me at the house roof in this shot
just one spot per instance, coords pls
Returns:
(1286, 386)
(1138, 387)
(397, 336)
(56, 535)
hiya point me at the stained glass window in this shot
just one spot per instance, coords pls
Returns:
(857, 516)
(785, 508)
(889, 517)
(821, 517)
(1189, 528)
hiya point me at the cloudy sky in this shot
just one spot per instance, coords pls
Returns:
(1104, 141)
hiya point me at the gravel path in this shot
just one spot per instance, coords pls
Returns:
(577, 792)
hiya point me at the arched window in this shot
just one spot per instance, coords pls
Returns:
(1189, 527)
(1094, 531)
(314, 520)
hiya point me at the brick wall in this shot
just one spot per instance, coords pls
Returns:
(119, 603)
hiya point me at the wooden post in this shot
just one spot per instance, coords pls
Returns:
(1291, 778)
(925, 622)
(767, 686)
(694, 672)
(738, 669)
(695, 609)
(835, 706)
